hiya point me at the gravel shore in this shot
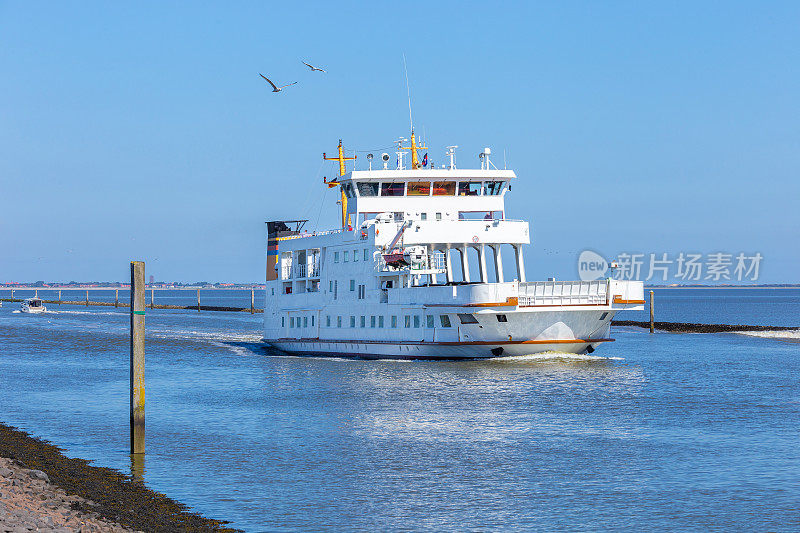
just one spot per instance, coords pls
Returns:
(43, 490)
(29, 502)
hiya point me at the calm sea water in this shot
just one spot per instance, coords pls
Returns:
(667, 431)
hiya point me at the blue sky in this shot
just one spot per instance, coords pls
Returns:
(144, 132)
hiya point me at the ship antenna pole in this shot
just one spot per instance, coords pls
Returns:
(408, 91)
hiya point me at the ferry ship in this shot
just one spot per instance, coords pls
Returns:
(405, 276)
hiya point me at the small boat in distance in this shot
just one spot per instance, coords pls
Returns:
(32, 305)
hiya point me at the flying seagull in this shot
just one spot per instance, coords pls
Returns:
(276, 89)
(313, 68)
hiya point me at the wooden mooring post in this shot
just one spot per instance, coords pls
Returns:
(151, 297)
(652, 314)
(198, 300)
(116, 298)
(137, 357)
(59, 296)
(87, 298)
(252, 301)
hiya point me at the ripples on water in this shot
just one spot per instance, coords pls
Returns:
(666, 431)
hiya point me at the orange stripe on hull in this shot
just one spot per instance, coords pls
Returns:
(454, 343)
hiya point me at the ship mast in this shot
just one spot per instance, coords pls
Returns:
(414, 159)
(341, 159)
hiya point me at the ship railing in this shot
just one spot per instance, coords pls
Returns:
(554, 293)
(312, 234)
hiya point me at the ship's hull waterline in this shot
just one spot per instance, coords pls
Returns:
(422, 351)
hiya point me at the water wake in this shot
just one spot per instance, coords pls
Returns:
(788, 334)
(554, 356)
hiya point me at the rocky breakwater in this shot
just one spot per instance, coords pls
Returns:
(29, 502)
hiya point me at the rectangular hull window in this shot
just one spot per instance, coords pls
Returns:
(467, 318)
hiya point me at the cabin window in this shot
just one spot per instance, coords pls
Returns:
(363, 321)
(444, 188)
(312, 320)
(352, 285)
(328, 321)
(429, 321)
(283, 323)
(330, 286)
(419, 188)
(438, 216)
(394, 321)
(352, 321)
(408, 321)
(305, 321)
(393, 189)
(355, 255)
(493, 188)
(603, 316)
(346, 256)
(335, 289)
(291, 322)
(273, 291)
(502, 318)
(372, 321)
(444, 320)
(467, 318)
(367, 188)
(339, 321)
(380, 321)
(469, 188)
(416, 321)
(335, 257)
(366, 254)
(423, 216)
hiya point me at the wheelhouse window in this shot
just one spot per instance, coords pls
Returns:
(348, 190)
(393, 189)
(444, 320)
(469, 188)
(444, 188)
(493, 188)
(419, 188)
(366, 188)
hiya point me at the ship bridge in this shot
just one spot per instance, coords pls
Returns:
(435, 194)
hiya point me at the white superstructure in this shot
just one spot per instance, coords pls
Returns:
(426, 265)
